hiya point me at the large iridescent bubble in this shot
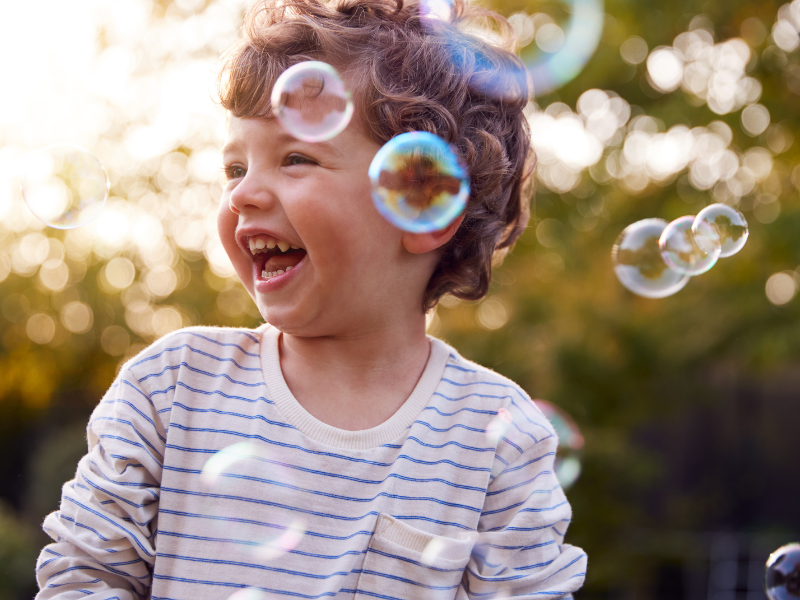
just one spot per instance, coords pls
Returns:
(681, 253)
(550, 71)
(719, 226)
(418, 183)
(570, 443)
(64, 186)
(311, 101)
(782, 576)
(638, 263)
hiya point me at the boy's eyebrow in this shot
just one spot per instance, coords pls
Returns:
(230, 147)
(286, 138)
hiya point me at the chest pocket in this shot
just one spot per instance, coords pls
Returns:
(406, 563)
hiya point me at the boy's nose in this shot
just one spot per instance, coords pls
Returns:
(251, 195)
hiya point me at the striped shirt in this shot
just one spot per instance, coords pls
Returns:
(205, 476)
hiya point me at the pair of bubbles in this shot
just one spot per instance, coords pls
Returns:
(570, 440)
(655, 259)
(418, 183)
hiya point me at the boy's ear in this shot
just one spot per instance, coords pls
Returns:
(419, 243)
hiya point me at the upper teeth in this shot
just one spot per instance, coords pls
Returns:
(262, 243)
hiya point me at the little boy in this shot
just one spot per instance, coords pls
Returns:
(384, 464)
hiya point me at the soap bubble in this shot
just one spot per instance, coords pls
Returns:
(418, 184)
(719, 226)
(680, 252)
(498, 426)
(782, 577)
(638, 263)
(64, 186)
(248, 594)
(440, 10)
(311, 102)
(549, 72)
(242, 473)
(570, 443)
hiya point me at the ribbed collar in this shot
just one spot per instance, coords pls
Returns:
(364, 439)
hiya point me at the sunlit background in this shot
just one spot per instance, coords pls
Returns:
(688, 405)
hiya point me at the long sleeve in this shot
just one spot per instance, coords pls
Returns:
(520, 551)
(105, 528)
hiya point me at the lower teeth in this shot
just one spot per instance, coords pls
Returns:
(271, 274)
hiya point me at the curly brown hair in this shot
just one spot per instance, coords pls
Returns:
(411, 73)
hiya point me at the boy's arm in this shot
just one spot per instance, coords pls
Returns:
(520, 552)
(105, 530)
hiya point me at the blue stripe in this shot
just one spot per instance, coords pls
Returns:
(262, 567)
(233, 414)
(314, 452)
(372, 513)
(227, 344)
(202, 538)
(113, 524)
(132, 426)
(240, 586)
(201, 372)
(136, 409)
(413, 562)
(337, 538)
(131, 442)
(191, 349)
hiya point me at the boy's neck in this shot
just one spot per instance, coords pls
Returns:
(355, 382)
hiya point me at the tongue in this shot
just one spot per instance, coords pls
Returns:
(281, 261)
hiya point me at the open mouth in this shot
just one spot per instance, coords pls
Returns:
(272, 256)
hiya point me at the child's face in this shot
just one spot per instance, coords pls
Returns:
(350, 268)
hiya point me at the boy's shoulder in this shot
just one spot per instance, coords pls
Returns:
(476, 387)
(199, 346)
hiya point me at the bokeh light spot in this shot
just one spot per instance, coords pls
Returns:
(781, 288)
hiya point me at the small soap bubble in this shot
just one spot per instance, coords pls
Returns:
(782, 576)
(248, 594)
(719, 226)
(243, 473)
(638, 263)
(64, 186)
(418, 184)
(680, 251)
(570, 443)
(432, 551)
(283, 543)
(498, 426)
(440, 10)
(311, 101)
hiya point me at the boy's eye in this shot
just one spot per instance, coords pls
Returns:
(298, 159)
(234, 172)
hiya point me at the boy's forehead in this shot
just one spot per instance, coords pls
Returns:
(242, 131)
